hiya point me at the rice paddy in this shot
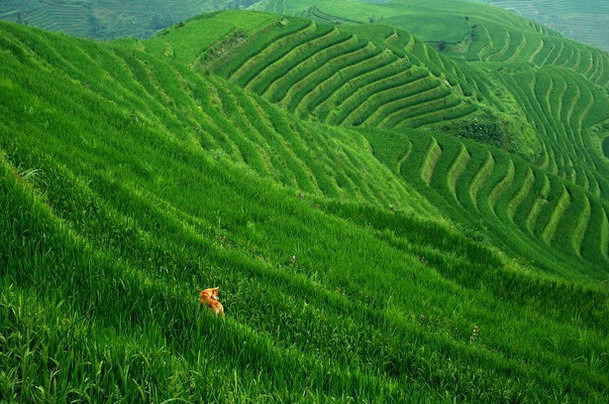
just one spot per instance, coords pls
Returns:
(388, 222)
(332, 76)
(466, 29)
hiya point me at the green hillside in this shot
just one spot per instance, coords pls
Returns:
(304, 72)
(500, 63)
(387, 222)
(342, 76)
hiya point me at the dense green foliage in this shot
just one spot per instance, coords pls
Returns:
(372, 245)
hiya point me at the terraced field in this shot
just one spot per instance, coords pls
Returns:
(527, 210)
(378, 76)
(500, 45)
(335, 77)
(563, 107)
(476, 32)
(561, 102)
(429, 21)
(463, 78)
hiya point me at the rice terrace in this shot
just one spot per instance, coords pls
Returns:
(304, 201)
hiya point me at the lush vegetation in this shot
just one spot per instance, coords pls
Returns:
(585, 21)
(387, 222)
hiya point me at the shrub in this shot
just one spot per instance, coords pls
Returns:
(485, 128)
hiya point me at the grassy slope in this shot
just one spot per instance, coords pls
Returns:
(128, 183)
(306, 69)
(190, 42)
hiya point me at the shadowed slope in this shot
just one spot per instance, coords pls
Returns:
(531, 213)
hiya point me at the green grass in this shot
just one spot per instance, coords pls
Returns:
(189, 42)
(135, 173)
